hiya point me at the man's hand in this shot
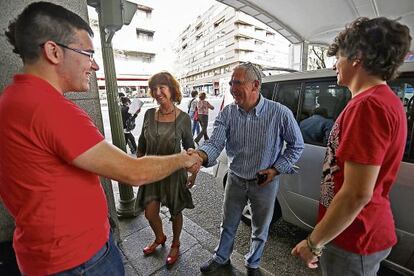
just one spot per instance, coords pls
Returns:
(271, 173)
(302, 250)
(193, 162)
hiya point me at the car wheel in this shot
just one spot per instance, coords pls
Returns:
(247, 214)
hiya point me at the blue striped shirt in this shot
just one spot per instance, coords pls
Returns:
(254, 140)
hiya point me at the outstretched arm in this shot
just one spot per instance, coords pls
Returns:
(106, 160)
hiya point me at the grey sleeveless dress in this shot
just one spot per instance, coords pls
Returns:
(164, 138)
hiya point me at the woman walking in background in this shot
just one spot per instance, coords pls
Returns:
(203, 106)
(192, 108)
(164, 130)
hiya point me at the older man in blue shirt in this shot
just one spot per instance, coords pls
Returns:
(253, 131)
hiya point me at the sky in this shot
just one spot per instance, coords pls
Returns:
(170, 18)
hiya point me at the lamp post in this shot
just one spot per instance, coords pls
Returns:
(113, 14)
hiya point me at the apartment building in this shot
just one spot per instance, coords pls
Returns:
(134, 52)
(221, 38)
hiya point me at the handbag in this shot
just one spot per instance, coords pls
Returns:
(195, 117)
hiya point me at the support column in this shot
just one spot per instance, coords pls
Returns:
(126, 193)
(304, 56)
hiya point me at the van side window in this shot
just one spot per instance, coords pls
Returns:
(321, 105)
(404, 88)
(267, 90)
(288, 95)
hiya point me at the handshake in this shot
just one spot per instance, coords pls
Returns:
(192, 160)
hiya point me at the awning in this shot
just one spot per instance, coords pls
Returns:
(319, 21)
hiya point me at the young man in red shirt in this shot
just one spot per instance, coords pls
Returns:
(52, 153)
(364, 152)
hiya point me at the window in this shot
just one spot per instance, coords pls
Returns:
(199, 36)
(288, 95)
(404, 89)
(219, 22)
(321, 105)
(267, 90)
(145, 34)
(326, 95)
(198, 26)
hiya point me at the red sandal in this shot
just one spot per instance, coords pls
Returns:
(171, 259)
(151, 248)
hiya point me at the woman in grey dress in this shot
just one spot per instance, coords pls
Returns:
(164, 130)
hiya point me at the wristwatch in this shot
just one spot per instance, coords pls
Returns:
(317, 251)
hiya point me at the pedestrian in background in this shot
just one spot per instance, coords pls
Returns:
(165, 129)
(128, 122)
(365, 148)
(52, 153)
(202, 108)
(253, 130)
(192, 111)
(316, 128)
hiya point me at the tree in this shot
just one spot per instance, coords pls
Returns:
(317, 57)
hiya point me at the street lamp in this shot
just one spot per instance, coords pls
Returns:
(113, 14)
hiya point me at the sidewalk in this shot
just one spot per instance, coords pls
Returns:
(197, 247)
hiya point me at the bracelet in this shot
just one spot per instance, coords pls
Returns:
(317, 251)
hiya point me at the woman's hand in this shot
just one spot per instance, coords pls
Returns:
(191, 180)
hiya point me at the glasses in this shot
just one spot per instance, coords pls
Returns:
(256, 71)
(79, 51)
(248, 66)
(236, 82)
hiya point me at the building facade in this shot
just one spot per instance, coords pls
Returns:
(134, 52)
(220, 39)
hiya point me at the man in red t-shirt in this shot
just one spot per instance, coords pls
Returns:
(52, 153)
(364, 152)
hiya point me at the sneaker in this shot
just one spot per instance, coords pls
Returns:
(253, 271)
(211, 266)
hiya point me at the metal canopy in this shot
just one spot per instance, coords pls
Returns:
(319, 21)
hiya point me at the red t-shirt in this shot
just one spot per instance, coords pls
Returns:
(371, 130)
(60, 210)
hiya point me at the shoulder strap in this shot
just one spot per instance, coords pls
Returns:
(189, 105)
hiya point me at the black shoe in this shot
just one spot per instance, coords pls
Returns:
(253, 271)
(211, 266)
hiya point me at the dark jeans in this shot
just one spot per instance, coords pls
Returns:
(107, 261)
(130, 141)
(203, 119)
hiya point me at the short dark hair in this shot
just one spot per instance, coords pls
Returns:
(322, 111)
(125, 100)
(194, 93)
(380, 43)
(165, 78)
(40, 22)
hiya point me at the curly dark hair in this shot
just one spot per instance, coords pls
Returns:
(380, 43)
(165, 78)
(40, 22)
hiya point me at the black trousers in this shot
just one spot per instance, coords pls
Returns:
(130, 141)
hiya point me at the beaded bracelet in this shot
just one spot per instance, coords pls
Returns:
(317, 251)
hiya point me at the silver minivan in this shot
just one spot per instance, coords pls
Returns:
(298, 197)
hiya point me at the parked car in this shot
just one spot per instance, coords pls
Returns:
(298, 197)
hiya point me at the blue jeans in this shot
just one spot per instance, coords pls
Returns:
(195, 126)
(262, 201)
(336, 261)
(107, 261)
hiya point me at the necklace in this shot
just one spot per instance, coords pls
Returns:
(166, 113)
